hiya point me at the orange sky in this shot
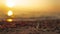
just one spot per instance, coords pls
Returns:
(30, 8)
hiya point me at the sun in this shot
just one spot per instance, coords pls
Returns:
(10, 13)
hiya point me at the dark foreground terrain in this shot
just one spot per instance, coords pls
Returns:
(48, 26)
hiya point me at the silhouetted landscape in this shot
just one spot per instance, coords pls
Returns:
(31, 26)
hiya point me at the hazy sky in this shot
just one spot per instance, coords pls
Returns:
(30, 8)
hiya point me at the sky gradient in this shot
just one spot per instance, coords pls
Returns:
(30, 8)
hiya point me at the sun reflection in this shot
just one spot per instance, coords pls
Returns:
(9, 20)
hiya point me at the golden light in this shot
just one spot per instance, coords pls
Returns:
(9, 3)
(9, 20)
(22, 2)
(10, 13)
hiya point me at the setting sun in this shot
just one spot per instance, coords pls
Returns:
(10, 13)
